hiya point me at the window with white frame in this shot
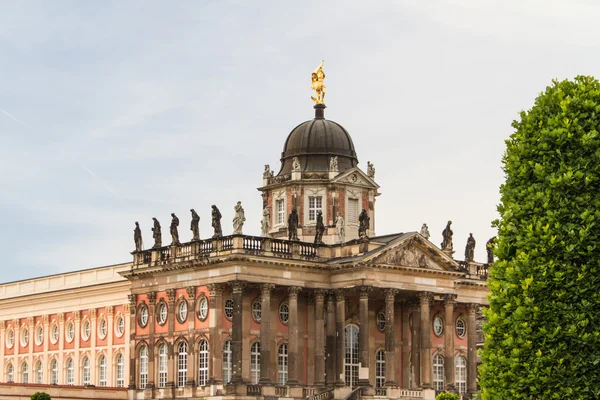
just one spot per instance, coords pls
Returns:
(39, 373)
(120, 380)
(229, 308)
(255, 362)
(203, 363)
(352, 213)
(182, 310)
(143, 319)
(86, 330)
(102, 328)
(461, 328)
(143, 366)
(120, 325)
(380, 369)
(25, 372)
(86, 371)
(282, 365)
(24, 336)
(70, 372)
(257, 310)
(70, 331)
(315, 204)
(182, 364)
(162, 365)
(279, 212)
(438, 372)
(352, 362)
(39, 335)
(284, 312)
(10, 338)
(54, 333)
(54, 370)
(10, 373)
(103, 381)
(227, 362)
(202, 312)
(460, 377)
(161, 315)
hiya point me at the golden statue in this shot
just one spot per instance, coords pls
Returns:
(318, 76)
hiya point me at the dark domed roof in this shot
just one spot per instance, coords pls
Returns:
(314, 142)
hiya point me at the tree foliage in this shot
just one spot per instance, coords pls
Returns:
(447, 396)
(542, 336)
(40, 396)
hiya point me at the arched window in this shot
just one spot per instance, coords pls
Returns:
(438, 372)
(143, 366)
(460, 376)
(25, 372)
(39, 373)
(120, 381)
(10, 373)
(352, 363)
(86, 371)
(227, 361)
(182, 364)
(54, 372)
(203, 363)
(255, 362)
(380, 369)
(70, 372)
(282, 365)
(162, 365)
(103, 370)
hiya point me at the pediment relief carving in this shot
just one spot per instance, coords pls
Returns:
(356, 177)
(409, 256)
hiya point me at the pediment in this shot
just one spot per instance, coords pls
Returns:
(356, 176)
(413, 251)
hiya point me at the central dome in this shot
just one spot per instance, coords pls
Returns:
(314, 142)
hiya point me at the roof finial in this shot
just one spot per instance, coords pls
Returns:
(318, 76)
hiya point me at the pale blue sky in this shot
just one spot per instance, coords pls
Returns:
(113, 111)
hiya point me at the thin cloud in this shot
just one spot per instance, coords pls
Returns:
(15, 119)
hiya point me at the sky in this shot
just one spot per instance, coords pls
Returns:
(114, 112)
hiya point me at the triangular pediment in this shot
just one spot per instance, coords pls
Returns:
(356, 176)
(413, 250)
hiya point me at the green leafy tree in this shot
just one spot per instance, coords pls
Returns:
(40, 396)
(542, 336)
(447, 396)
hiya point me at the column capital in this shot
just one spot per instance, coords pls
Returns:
(472, 308)
(2, 325)
(151, 298)
(449, 299)
(340, 294)
(126, 308)
(61, 318)
(77, 315)
(215, 289)
(30, 320)
(191, 291)
(170, 295)
(237, 286)
(390, 294)
(132, 298)
(110, 310)
(425, 297)
(320, 294)
(266, 289)
(46, 319)
(293, 291)
(364, 291)
(93, 313)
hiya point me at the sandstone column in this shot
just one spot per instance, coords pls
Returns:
(319, 338)
(265, 330)
(331, 342)
(364, 334)
(151, 326)
(110, 312)
(237, 331)
(416, 343)
(449, 302)
(426, 301)
(472, 348)
(293, 335)
(340, 297)
(215, 303)
(405, 348)
(390, 345)
(192, 369)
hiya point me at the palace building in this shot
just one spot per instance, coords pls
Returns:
(351, 314)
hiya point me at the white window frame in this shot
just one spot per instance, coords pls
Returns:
(463, 328)
(182, 356)
(438, 372)
(257, 309)
(279, 215)
(143, 376)
(227, 362)
(284, 312)
(54, 372)
(119, 325)
(163, 357)
(70, 331)
(380, 368)
(54, 333)
(86, 330)
(228, 310)
(202, 312)
(352, 355)
(120, 371)
(39, 372)
(162, 313)
(86, 371)
(438, 325)
(182, 311)
(39, 335)
(460, 373)
(24, 372)
(203, 363)
(282, 364)
(10, 373)
(353, 195)
(70, 370)
(255, 363)
(314, 193)
(315, 204)
(10, 337)
(24, 336)
(102, 328)
(102, 371)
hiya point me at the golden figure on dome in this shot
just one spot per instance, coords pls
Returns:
(318, 76)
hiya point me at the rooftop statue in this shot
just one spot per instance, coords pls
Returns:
(340, 227)
(489, 246)
(370, 170)
(156, 234)
(425, 231)
(296, 165)
(267, 173)
(447, 237)
(137, 237)
(238, 219)
(317, 84)
(470, 248)
(194, 226)
(265, 223)
(363, 224)
(320, 228)
(293, 225)
(216, 222)
(333, 164)
(173, 229)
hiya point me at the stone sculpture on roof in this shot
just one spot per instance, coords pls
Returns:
(489, 246)
(425, 231)
(363, 224)
(340, 228)
(293, 225)
(156, 234)
(137, 237)
(320, 228)
(265, 222)
(216, 222)
(194, 226)
(447, 237)
(173, 229)
(238, 219)
(470, 248)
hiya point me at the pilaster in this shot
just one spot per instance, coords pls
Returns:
(426, 300)
(237, 331)
(215, 303)
(319, 338)
(265, 333)
(340, 322)
(390, 345)
(363, 338)
(293, 335)
(449, 303)
(472, 348)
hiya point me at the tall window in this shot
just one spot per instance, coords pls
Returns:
(70, 372)
(352, 362)
(143, 367)
(203, 363)
(227, 362)
(315, 204)
(162, 365)
(86, 371)
(10, 373)
(380, 369)
(120, 370)
(103, 369)
(461, 374)
(352, 211)
(54, 377)
(282, 365)
(25, 373)
(182, 364)
(255, 362)
(39, 373)
(280, 208)
(438, 372)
